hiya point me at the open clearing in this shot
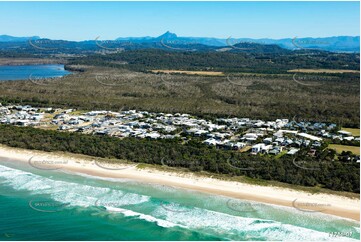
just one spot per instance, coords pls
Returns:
(28, 61)
(340, 148)
(203, 73)
(323, 71)
(355, 132)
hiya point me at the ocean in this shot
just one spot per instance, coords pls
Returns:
(31, 72)
(55, 205)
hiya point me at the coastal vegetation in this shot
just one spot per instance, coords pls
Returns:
(253, 83)
(323, 97)
(321, 171)
(230, 61)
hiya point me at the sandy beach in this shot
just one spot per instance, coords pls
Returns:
(309, 203)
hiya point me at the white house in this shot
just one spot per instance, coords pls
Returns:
(346, 133)
(239, 145)
(250, 136)
(308, 136)
(211, 141)
(292, 151)
(257, 148)
(265, 149)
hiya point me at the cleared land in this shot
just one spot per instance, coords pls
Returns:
(355, 132)
(28, 61)
(204, 73)
(340, 148)
(323, 71)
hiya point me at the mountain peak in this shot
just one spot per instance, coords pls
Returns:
(168, 35)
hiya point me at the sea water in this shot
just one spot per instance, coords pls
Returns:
(55, 205)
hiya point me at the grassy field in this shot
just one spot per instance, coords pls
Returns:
(281, 154)
(323, 71)
(355, 132)
(204, 73)
(340, 148)
(28, 61)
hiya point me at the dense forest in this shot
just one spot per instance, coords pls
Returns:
(322, 171)
(255, 83)
(230, 61)
(323, 98)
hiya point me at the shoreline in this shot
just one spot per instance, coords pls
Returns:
(340, 206)
(23, 61)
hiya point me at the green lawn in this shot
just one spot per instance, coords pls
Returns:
(355, 132)
(340, 148)
(281, 154)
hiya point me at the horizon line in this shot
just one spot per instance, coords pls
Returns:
(147, 36)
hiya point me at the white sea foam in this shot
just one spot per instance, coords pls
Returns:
(221, 223)
(149, 218)
(201, 219)
(67, 192)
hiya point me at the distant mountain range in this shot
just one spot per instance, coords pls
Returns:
(172, 41)
(8, 38)
(336, 43)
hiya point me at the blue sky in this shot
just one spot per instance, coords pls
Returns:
(109, 20)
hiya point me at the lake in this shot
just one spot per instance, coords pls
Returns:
(25, 72)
